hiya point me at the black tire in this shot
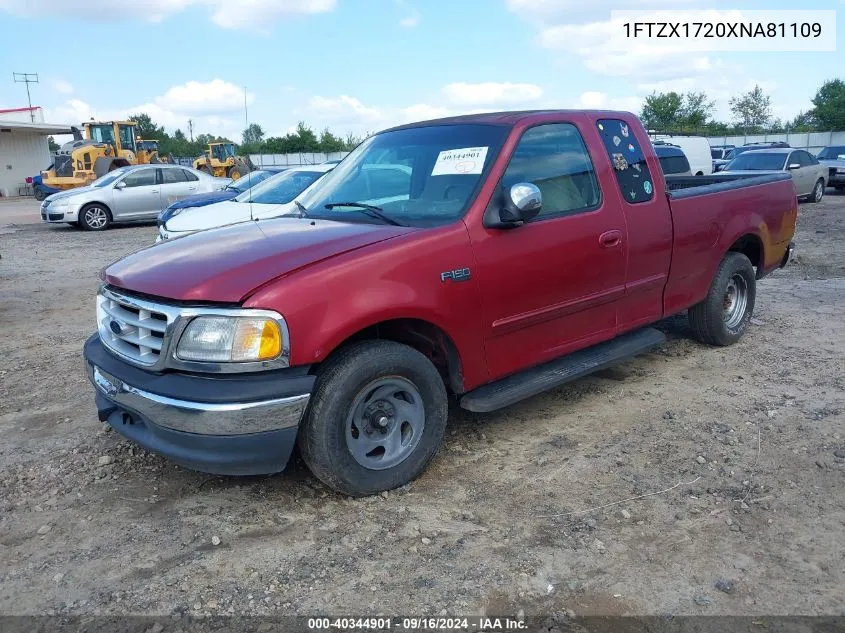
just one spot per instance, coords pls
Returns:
(95, 217)
(818, 192)
(236, 171)
(39, 194)
(341, 381)
(708, 319)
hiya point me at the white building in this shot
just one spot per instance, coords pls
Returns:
(24, 150)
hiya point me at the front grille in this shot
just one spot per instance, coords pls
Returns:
(63, 166)
(133, 328)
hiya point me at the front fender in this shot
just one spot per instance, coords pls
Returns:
(328, 302)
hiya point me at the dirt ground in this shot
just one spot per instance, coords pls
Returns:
(747, 442)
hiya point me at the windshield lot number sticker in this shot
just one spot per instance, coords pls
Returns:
(467, 160)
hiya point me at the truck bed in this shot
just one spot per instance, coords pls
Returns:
(687, 186)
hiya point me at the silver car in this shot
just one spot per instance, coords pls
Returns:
(127, 194)
(809, 177)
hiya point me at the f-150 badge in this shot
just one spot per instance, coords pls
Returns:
(459, 274)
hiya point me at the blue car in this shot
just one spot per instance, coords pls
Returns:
(226, 193)
(41, 190)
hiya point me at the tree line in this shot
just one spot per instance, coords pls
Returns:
(253, 140)
(751, 113)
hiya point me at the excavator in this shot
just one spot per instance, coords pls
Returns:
(105, 147)
(220, 161)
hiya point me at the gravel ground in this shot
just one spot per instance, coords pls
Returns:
(747, 442)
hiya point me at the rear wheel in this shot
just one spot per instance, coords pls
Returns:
(95, 217)
(376, 418)
(818, 191)
(723, 316)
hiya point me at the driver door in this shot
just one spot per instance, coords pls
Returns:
(139, 195)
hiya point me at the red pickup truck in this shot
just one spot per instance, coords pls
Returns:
(486, 258)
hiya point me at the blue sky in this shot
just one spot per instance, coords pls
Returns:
(361, 65)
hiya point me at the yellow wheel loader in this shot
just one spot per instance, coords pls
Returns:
(220, 161)
(106, 147)
(148, 153)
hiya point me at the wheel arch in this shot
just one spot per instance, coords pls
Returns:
(422, 335)
(752, 247)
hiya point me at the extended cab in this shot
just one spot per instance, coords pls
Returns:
(509, 253)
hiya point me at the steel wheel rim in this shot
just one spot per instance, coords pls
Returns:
(735, 301)
(385, 423)
(96, 218)
(819, 191)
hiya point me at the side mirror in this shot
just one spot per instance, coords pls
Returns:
(521, 202)
(120, 185)
(793, 166)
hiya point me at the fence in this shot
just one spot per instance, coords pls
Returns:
(294, 160)
(813, 142)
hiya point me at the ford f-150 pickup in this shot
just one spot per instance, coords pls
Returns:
(504, 255)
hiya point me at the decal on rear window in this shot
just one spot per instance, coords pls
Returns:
(628, 160)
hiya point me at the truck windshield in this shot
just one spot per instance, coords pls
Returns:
(832, 153)
(421, 176)
(757, 160)
(280, 189)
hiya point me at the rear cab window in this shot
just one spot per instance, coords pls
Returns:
(627, 159)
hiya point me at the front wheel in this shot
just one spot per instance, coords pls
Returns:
(818, 191)
(94, 217)
(723, 316)
(39, 194)
(376, 418)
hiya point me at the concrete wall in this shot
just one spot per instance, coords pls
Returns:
(813, 142)
(22, 154)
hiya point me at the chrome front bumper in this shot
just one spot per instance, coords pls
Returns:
(203, 418)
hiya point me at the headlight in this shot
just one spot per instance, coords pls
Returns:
(223, 339)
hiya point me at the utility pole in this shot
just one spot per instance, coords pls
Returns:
(27, 78)
(191, 129)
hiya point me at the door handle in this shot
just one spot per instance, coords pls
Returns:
(192, 188)
(154, 191)
(609, 239)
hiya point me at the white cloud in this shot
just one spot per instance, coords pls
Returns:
(491, 93)
(411, 20)
(257, 14)
(592, 100)
(343, 109)
(62, 86)
(196, 97)
(215, 108)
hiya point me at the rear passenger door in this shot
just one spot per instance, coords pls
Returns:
(551, 285)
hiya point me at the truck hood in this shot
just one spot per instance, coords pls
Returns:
(222, 214)
(832, 162)
(226, 265)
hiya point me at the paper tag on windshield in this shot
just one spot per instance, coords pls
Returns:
(467, 160)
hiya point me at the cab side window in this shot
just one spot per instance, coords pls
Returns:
(628, 161)
(555, 159)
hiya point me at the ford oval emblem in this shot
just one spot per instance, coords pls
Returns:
(115, 327)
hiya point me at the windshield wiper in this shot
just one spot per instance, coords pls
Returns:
(369, 209)
(303, 212)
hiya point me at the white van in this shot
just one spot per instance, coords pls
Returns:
(696, 149)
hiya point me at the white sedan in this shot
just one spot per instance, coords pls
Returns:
(271, 198)
(127, 194)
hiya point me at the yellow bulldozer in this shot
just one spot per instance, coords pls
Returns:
(106, 146)
(220, 161)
